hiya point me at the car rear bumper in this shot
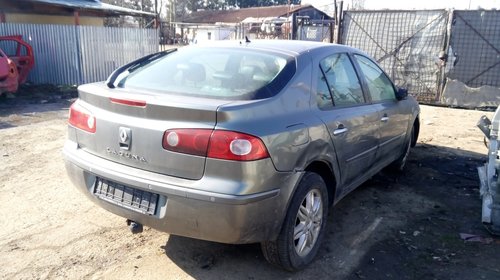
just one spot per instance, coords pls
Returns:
(184, 209)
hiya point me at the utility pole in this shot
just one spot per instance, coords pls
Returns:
(157, 17)
(143, 20)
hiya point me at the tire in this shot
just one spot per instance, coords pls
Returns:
(303, 228)
(399, 164)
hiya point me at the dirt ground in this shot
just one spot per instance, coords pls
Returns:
(392, 227)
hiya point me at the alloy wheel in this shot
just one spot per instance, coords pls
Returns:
(308, 223)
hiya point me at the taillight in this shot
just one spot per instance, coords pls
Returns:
(12, 68)
(81, 118)
(220, 144)
(236, 146)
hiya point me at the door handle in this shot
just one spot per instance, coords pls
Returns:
(340, 130)
(385, 118)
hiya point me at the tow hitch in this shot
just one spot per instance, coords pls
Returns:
(134, 226)
(489, 174)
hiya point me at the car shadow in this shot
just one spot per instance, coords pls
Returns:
(421, 214)
(403, 226)
(33, 104)
(210, 260)
(27, 110)
(33, 99)
(6, 125)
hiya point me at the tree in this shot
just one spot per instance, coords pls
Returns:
(183, 7)
(259, 3)
(216, 5)
(358, 4)
(140, 5)
(171, 10)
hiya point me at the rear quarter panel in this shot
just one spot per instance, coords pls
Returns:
(293, 135)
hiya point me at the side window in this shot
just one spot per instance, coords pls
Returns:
(379, 85)
(341, 82)
(323, 96)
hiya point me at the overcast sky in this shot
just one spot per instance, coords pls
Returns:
(410, 5)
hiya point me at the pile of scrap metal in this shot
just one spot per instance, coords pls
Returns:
(489, 174)
(14, 67)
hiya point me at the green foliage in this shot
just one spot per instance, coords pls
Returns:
(183, 7)
(140, 5)
(147, 5)
(259, 3)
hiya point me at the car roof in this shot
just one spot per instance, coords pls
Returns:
(290, 47)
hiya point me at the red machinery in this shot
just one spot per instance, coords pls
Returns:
(16, 65)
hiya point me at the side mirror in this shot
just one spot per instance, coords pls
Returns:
(401, 94)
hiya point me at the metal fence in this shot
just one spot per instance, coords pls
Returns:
(314, 33)
(405, 43)
(408, 45)
(424, 50)
(474, 49)
(73, 55)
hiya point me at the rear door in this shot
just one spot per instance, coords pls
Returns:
(351, 121)
(394, 117)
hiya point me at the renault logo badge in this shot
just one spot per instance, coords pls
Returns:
(125, 135)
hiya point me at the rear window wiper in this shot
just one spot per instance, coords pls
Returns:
(134, 65)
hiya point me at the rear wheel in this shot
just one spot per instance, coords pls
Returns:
(303, 228)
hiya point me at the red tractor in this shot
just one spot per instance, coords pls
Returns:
(14, 67)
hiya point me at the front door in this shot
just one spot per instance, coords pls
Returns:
(394, 119)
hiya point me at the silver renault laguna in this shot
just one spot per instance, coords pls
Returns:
(239, 142)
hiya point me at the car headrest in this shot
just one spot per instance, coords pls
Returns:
(193, 72)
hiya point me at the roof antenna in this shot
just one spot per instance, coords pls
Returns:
(247, 40)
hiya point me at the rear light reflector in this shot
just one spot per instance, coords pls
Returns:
(81, 118)
(238, 146)
(220, 144)
(187, 141)
(241, 147)
(128, 102)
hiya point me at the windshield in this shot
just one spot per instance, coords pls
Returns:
(221, 73)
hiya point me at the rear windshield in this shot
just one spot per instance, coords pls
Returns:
(220, 73)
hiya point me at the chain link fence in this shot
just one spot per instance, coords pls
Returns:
(314, 33)
(445, 57)
(405, 43)
(474, 50)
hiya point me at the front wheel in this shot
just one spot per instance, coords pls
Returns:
(303, 227)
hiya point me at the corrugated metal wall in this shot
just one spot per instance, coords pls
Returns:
(74, 55)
